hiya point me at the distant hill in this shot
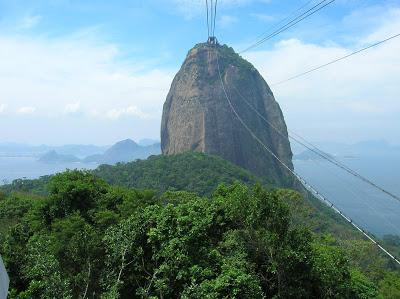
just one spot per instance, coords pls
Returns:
(124, 151)
(54, 157)
(190, 171)
(78, 150)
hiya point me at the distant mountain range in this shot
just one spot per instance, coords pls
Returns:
(123, 151)
(25, 150)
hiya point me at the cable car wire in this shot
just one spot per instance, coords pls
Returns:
(282, 21)
(212, 17)
(215, 17)
(292, 23)
(336, 60)
(208, 22)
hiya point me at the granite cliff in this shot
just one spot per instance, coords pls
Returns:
(197, 116)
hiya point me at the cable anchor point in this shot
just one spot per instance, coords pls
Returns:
(212, 40)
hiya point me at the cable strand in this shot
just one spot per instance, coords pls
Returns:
(208, 23)
(215, 16)
(292, 23)
(336, 60)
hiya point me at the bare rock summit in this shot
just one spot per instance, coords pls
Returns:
(197, 116)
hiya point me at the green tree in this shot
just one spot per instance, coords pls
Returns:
(389, 287)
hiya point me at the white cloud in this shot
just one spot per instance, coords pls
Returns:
(129, 111)
(29, 22)
(263, 17)
(48, 73)
(135, 111)
(72, 107)
(390, 26)
(3, 108)
(26, 110)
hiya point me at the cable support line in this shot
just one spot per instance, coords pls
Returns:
(215, 17)
(212, 17)
(289, 25)
(292, 23)
(282, 21)
(337, 60)
(308, 145)
(208, 22)
(296, 175)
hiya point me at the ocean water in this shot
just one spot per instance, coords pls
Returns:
(12, 168)
(366, 206)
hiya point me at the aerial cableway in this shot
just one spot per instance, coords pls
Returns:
(336, 60)
(300, 140)
(308, 13)
(211, 6)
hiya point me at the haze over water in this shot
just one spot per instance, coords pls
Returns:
(12, 168)
(368, 207)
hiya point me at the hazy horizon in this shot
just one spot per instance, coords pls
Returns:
(155, 140)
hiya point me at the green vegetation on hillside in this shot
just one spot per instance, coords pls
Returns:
(191, 171)
(88, 239)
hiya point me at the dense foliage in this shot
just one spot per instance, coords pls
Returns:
(88, 239)
(194, 172)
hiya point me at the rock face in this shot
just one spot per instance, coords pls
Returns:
(198, 117)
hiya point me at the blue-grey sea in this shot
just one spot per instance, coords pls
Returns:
(368, 207)
(12, 168)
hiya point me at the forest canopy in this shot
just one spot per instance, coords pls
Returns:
(88, 239)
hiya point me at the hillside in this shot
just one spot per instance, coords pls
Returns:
(190, 171)
(194, 172)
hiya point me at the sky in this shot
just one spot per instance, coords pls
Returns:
(96, 72)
